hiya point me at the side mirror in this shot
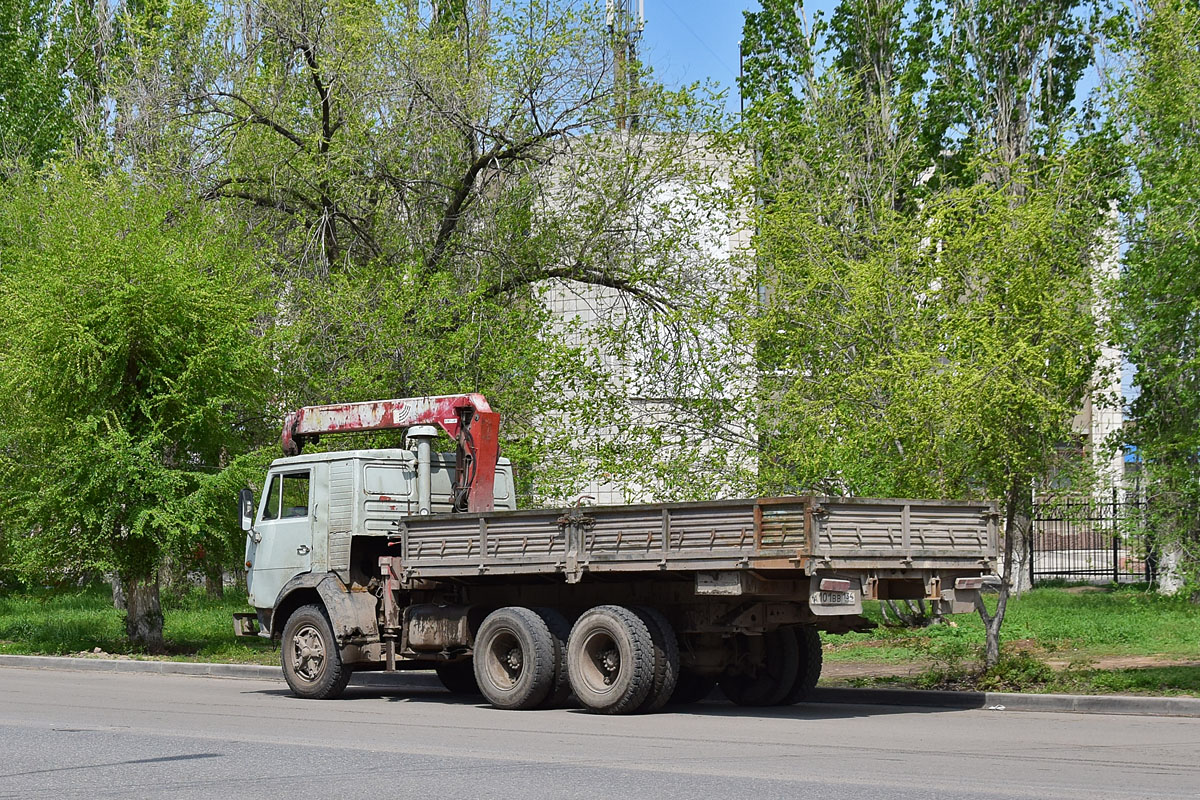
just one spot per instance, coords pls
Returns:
(246, 508)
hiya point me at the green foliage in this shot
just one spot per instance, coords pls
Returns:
(927, 327)
(323, 201)
(1159, 289)
(910, 368)
(925, 240)
(425, 185)
(1074, 627)
(35, 50)
(973, 88)
(1141, 680)
(134, 371)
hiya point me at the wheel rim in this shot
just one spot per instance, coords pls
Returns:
(601, 663)
(308, 653)
(506, 661)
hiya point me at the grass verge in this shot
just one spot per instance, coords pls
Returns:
(77, 621)
(1054, 640)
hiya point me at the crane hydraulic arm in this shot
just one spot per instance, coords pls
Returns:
(467, 418)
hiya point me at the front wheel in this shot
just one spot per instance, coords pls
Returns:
(312, 663)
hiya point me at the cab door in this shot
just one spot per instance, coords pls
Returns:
(280, 547)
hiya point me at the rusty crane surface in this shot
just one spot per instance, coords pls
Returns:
(466, 418)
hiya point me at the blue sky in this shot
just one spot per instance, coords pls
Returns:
(695, 40)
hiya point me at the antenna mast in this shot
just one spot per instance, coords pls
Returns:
(626, 20)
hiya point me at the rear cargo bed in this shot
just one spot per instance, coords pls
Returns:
(802, 534)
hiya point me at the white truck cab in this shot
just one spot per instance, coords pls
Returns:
(314, 505)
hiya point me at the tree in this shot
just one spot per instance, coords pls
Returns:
(422, 175)
(35, 51)
(134, 370)
(925, 242)
(1159, 288)
(425, 178)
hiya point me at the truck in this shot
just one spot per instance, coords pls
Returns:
(402, 558)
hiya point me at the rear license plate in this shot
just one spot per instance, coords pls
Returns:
(836, 598)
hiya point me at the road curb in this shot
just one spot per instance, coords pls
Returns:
(992, 701)
(133, 665)
(251, 671)
(1012, 701)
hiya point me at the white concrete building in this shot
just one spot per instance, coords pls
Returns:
(670, 361)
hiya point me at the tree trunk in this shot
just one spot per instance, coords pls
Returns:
(1170, 576)
(118, 591)
(143, 616)
(1015, 524)
(214, 578)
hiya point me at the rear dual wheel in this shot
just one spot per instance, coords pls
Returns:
(809, 669)
(520, 657)
(623, 660)
(616, 660)
(767, 669)
(610, 660)
(514, 658)
(666, 658)
(777, 668)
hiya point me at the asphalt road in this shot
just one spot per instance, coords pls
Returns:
(67, 734)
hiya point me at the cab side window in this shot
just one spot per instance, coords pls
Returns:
(295, 495)
(287, 496)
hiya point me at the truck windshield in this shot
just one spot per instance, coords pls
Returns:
(287, 497)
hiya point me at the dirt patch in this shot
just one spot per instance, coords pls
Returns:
(1123, 662)
(847, 670)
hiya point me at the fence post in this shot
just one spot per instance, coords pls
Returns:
(1033, 512)
(1116, 537)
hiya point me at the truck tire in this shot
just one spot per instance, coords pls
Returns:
(610, 660)
(514, 659)
(666, 657)
(312, 663)
(560, 631)
(458, 677)
(692, 687)
(768, 681)
(808, 640)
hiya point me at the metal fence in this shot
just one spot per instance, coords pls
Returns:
(1092, 539)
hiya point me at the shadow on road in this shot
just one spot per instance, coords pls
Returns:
(825, 703)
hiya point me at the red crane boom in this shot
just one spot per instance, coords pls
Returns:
(467, 418)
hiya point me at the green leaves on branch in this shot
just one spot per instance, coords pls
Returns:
(134, 366)
(942, 354)
(1159, 289)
